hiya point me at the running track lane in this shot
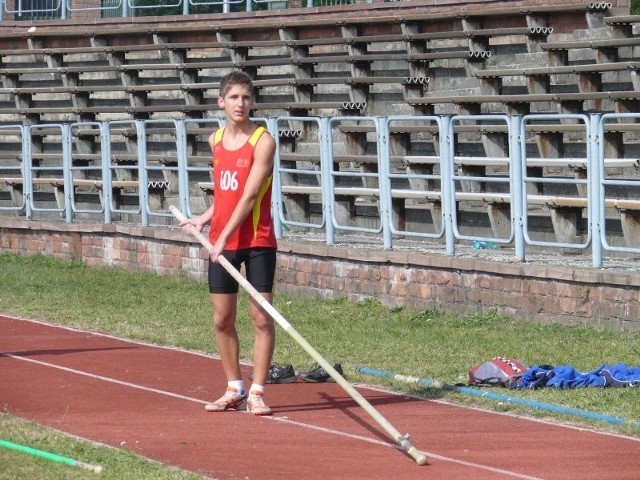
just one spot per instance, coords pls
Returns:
(150, 400)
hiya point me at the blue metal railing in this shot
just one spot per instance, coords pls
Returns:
(190, 170)
(364, 179)
(528, 180)
(81, 168)
(495, 183)
(35, 9)
(602, 181)
(311, 173)
(12, 166)
(63, 9)
(381, 177)
(40, 172)
(419, 175)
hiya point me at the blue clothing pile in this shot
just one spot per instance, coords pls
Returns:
(566, 376)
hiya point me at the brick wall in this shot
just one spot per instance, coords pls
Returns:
(569, 295)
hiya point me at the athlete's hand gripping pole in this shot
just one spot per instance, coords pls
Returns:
(403, 440)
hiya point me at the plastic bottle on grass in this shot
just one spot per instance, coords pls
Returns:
(482, 245)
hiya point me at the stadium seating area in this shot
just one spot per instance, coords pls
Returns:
(126, 107)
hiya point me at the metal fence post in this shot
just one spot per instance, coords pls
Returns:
(325, 166)
(181, 148)
(384, 160)
(596, 193)
(448, 190)
(143, 184)
(105, 139)
(516, 142)
(67, 174)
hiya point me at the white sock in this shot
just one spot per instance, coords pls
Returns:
(256, 388)
(238, 385)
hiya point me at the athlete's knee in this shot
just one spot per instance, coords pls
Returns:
(224, 323)
(263, 323)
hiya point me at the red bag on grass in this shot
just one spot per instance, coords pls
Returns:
(497, 372)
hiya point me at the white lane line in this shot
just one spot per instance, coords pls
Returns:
(56, 326)
(273, 418)
(100, 377)
(431, 455)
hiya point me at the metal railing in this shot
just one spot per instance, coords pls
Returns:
(12, 166)
(319, 184)
(64, 9)
(601, 183)
(34, 9)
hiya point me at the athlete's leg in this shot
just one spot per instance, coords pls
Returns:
(224, 306)
(260, 266)
(224, 298)
(264, 340)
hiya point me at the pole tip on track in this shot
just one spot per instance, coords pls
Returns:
(418, 456)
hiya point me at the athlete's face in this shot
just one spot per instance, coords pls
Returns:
(237, 103)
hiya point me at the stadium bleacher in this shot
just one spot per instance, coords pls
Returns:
(352, 62)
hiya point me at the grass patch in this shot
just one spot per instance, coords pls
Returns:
(119, 464)
(428, 344)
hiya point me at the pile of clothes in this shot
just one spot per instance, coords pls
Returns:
(618, 376)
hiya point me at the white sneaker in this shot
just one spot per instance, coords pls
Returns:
(231, 400)
(256, 405)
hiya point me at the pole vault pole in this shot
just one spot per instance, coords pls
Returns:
(50, 456)
(403, 440)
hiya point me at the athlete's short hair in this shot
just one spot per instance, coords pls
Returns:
(235, 77)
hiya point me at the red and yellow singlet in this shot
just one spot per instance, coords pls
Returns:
(230, 172)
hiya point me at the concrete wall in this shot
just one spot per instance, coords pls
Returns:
(536, 292)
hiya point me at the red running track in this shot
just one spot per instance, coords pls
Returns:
(150, 400)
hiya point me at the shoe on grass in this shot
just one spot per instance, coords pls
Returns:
(231, 400)
(319, 374)
(256, 405)
(279, 374)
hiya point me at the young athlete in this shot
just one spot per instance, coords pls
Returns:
(242, 230)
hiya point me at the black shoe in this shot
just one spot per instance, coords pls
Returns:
(279, 374)
(319, 374)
